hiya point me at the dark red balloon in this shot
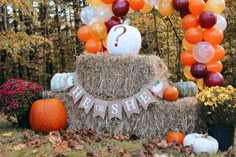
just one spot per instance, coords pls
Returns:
(180, 5)
(213, 78)
(112, 22)
(198, 70)
(120, 7)
(207, 19)
(184, 13)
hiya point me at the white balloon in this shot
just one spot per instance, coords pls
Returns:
(87, 15)
(123, 40)
(221, 22)
(203, 52)
(103, 12)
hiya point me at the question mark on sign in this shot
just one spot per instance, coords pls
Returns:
(122, 33)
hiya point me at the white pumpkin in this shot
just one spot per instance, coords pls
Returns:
(123, 40)
(58, 81)
(201, 143)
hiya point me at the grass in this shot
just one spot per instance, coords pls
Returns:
(14, 143)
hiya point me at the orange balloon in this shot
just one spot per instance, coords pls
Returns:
(189, 21)
(214, 66)
(219, 53)
(104, 42)
(196, 6)
(200, 84)
(186, 57)
(98, 30)
(136, 4)
(186, 45)
(84, 33)
(93, 46)
(187, 73)
(108, 1)
(146, 8)
(165, 7)
(213, 36)
(193, 35)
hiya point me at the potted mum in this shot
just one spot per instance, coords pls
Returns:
(218, 111)
(16, 97)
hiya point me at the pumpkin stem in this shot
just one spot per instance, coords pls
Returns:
(205, 135)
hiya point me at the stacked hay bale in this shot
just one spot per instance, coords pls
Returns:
(111, 78)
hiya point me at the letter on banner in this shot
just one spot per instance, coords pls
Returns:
(100, 108)
(130, 106)
(87, 102)
(115, 109)
(145, 97)
(76, 92)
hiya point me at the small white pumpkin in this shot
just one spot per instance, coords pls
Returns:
(201, 143)
(58, 82)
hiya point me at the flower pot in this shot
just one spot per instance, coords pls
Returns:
(223, 134)
(23, 121)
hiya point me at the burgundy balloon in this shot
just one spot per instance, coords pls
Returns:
(180, 5)
(120, 7)
(184, 13)
(207, 19)
(213, 78)
(112, 22)
(198, 70)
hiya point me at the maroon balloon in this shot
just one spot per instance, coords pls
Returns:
(207, 19)
(213, 78)
(120, 7)
(112, 22)
(184, 13)
(180, 5)
(198, 70)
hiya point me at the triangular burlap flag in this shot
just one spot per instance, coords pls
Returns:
(100, 108)
(157, 88)
(87, 102)
(115, 109)
(130, 106)
(76, 92)
(145, 97)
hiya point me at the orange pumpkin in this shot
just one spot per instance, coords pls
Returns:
(170, 93)
(175, 136)
(47, 115)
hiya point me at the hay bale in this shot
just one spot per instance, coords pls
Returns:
(112, 78)
(160, 118)
(118, 77)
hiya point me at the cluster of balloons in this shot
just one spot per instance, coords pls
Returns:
(204, 26)
(101, 15)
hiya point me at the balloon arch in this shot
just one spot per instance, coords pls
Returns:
(104, 30)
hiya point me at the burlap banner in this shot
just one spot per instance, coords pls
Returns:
(130, 105)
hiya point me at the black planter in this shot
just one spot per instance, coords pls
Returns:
(223, 134)
(23, 122)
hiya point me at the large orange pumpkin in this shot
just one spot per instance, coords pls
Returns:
(175, 136)
(171, 93)
(47, 115)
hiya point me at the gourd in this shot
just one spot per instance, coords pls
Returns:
(47, 115)
(170, 93)
(58, 81)
(175, 136)
(201, 143)
(186, 89)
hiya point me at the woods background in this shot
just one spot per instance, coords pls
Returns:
(38, 38)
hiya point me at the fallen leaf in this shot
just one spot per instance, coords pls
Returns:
(92, 154)
(121, 137)
(163, 144)
(156, 140)
(161, 155)
(19, 147)
(138, 153)
(8, 134)
(34, 151)
(61, 146)
(75, 145)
